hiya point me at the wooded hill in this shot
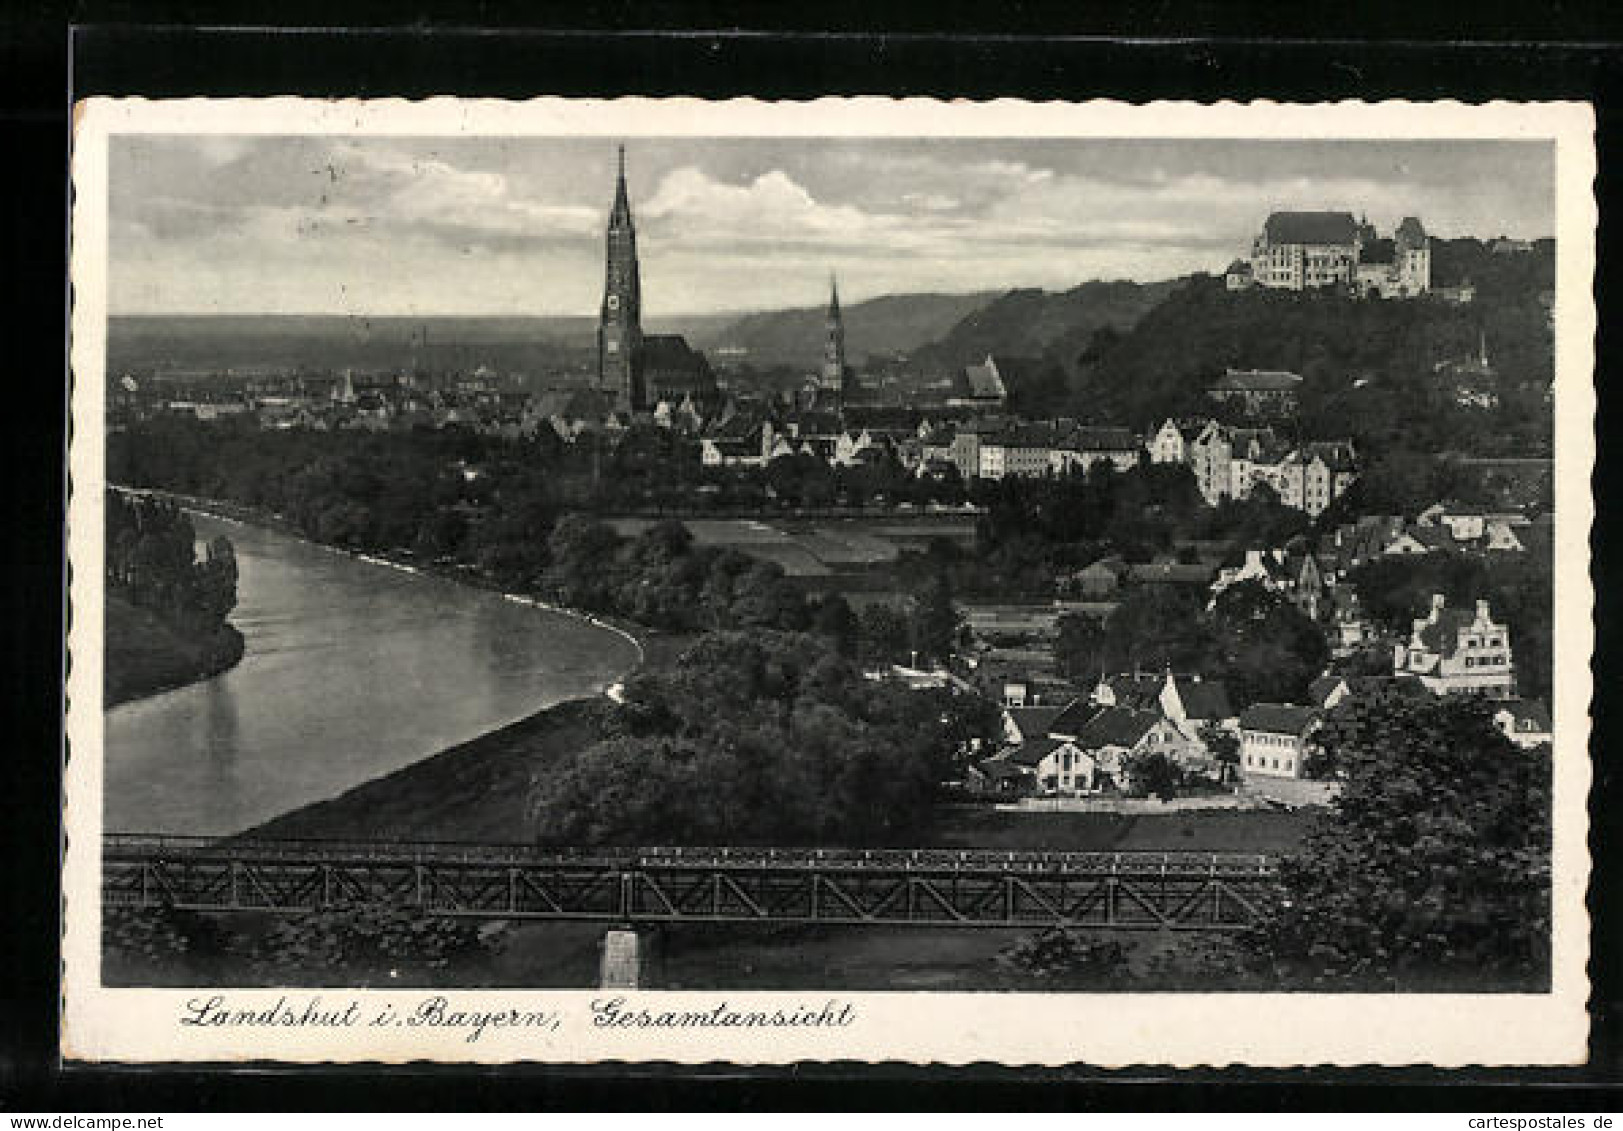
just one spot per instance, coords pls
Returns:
(888, 325)
(1029, 322)
(1370, 366)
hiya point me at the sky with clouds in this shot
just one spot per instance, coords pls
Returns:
(497, 226)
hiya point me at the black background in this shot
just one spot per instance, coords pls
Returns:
(50, 53)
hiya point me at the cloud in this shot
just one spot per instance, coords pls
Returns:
(515, 225)
(460, 206)
(1017, 171)
(691, 206)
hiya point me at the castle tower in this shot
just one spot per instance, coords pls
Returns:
(619, 328)
(832, 383)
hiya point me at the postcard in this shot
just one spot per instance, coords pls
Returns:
(857, 580)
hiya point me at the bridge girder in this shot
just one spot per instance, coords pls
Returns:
(1159, 892)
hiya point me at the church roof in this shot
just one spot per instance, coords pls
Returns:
(1311, 227)
(671, 351)
(983, 380)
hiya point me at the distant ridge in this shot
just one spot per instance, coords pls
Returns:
(887, 324)
(1032, 323)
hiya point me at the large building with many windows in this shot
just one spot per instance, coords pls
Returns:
(1457, 651)
(1301, 251)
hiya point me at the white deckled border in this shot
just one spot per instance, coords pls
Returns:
(1103, 1030)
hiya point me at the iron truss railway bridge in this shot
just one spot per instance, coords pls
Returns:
(881, 887)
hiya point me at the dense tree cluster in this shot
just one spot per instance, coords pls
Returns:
(151, 555)
(1035, 529)
(1265, 648)
(760, 738)
(1431, 871)
(660, 578)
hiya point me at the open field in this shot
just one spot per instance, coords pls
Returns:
(819, 547)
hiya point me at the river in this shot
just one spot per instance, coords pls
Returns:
(352, 670)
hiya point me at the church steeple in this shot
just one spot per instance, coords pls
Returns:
(620, 214)
(619, 330)
(832, 377)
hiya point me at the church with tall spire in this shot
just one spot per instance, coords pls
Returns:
(831, 383)
(619, 327)
(639, 370)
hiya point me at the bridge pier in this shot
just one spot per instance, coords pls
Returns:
(629, 959)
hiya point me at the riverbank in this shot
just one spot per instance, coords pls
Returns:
(638, 636)
(143, 655)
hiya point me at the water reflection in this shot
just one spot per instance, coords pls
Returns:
(352, 670)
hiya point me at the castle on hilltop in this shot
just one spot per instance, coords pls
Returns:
(1299, 251)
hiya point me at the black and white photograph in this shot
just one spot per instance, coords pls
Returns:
(732, 574)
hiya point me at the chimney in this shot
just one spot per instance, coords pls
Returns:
(1482, 610)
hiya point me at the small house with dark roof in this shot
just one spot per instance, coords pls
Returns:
(1526, 722)
(1115, 733)
(1056, 765)
(1274, 738)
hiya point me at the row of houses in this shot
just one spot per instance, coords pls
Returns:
(1085, 744)
(1229, 462)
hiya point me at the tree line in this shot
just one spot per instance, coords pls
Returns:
(1266, 648)
(152, 562)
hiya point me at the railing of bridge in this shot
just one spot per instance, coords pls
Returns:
(917, 887)
(158, 846)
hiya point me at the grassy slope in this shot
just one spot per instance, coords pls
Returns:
(144, 655)
(473, 792)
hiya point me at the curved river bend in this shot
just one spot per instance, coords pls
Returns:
(352, 670)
